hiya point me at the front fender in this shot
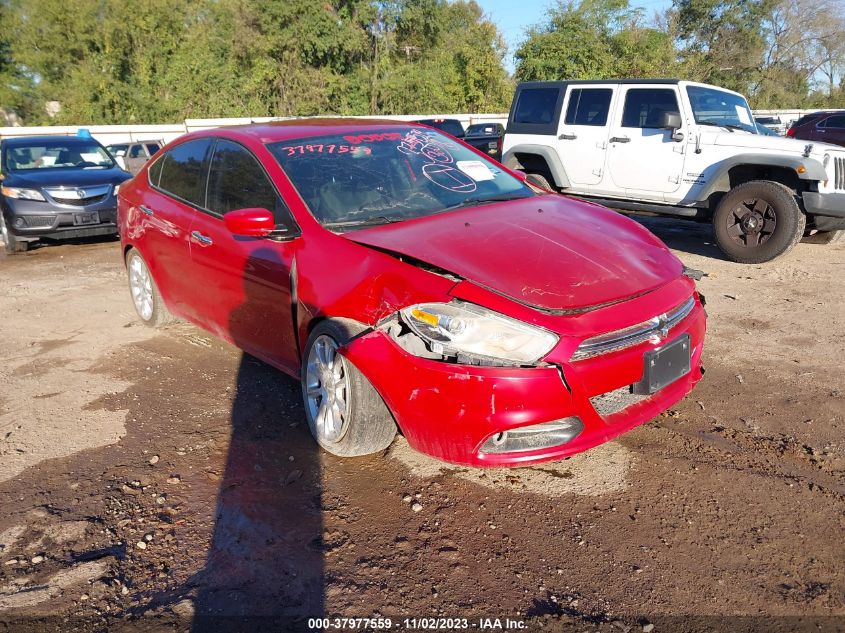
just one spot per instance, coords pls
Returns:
(556, 168)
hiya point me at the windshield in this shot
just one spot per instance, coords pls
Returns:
(70, 154)
(390, 175)
(717, 107)
(117, 150)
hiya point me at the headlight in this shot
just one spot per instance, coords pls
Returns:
(465, 329)
(116, 189)
(23, 194)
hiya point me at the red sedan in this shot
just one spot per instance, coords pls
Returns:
(410, 281)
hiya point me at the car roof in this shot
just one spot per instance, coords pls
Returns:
(275, 131)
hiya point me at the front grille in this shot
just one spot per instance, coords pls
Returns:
(839, 173)
(78, 196)
(84, 202)
(615, 401)
(658, 326)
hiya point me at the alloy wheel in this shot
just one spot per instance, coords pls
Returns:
(141, 287)
(327, 390)
(752, 222)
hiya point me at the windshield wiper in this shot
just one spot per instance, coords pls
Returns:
(730, 126)
(372, 221)
(476, 200)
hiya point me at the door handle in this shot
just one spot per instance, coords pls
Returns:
(202, 239)
(567, 137)
(145, 210)
(619, 139)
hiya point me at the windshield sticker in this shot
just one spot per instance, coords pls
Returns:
(439, 170)
(742, 114)
(358, 150)
(476, 170)
(449, 178)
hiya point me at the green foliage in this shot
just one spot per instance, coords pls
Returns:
(594, 39)
(112, 61)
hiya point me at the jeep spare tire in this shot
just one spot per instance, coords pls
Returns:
(758, 221)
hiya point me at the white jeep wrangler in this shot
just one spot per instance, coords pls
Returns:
(678, 148)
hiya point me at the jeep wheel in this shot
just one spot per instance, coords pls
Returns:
(11, 244)
(758, 221)
(538, 180)
(823, 237)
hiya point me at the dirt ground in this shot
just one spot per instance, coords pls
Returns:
(160, 480)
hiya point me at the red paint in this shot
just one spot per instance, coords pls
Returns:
(249, 222)
(551, 252)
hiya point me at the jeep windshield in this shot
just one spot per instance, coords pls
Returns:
(717, 107)
(69, 154)
(356, 180)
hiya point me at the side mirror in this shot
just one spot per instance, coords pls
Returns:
(670, 120)
(253, 222)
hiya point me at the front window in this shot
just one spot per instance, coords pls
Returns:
(353, 180)
(717, 107)
(71, 154)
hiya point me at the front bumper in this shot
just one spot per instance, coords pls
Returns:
(448, 410)
(35, 219)
(827, 204)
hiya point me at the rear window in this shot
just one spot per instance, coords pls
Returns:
(588, 106)
(484, 129)
(536, 105)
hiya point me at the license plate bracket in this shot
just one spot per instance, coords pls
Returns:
(664, 366)
(89, 217)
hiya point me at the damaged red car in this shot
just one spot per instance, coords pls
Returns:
(410, 282)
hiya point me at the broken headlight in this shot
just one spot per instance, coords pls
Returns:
(468, 330)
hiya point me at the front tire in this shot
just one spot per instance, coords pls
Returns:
(145, 295)
(11, 244)
(538, 180)
(345, 413)
(758, 221)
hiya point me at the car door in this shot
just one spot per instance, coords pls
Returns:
(166, 211)
(643, 159)
(244, 282)
(832, 130)
(582, 133)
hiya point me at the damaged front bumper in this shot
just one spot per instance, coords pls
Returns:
(456, 412)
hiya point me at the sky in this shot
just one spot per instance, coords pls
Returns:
(514, 16)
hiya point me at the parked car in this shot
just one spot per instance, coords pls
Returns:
(772, 123)
(403, 277)
(56, 187)
(682, 149)
(452, 127)
(826, 126)
(486, 137)
(132, 156)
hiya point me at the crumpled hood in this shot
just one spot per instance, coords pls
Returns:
(550, 252)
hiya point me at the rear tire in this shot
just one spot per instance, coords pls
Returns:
(758, 221)
(823, 237)
(345, 414)
(11, 244)
(144, 292)
(539, 180)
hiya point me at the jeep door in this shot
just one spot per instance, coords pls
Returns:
(582, 134)
(644, 159)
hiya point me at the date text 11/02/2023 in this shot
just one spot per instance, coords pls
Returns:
(418, 623)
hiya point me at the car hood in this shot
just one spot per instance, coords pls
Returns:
(770, 143)
(37, 178)
(550, 252)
